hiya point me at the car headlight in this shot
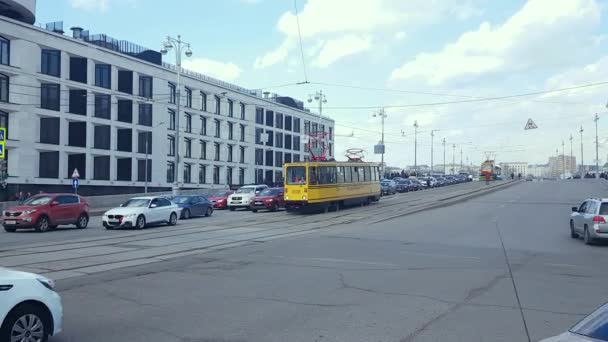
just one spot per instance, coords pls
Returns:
(28, 212)
(130, 216)
(48, 283)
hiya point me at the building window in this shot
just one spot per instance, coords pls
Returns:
(259, 116)
(288, 141)
(101, 168)
(171, 92)
(145, 86)
(187, 173)
(230, 108)
(125, 81)
(217, 105)
(287, 157)
(124, 140)
(296, 158)
(188, 143)
(171, 119)
(242, 154)
(145, 114)
(49, 96)
(5, 51)
(296, 143)
(216, 175)
(103, 75)
(4, 122)
(188, 118)
(144, 139)
(49, 131)
(241, 176)
(142, 165)
(203, 149)
(51, 62)
(202, 174)
(217, 128)
(270, 138)
(242, 111)
(279, 140)
(229, 159)
(242, 132)
(203, 125)
(331, 149)
(102, 138)
(279, 120)
(102, 106)
(171, 142)
(269, 118)
(188, 97)
(77, 133)
(314, 128)
(4, 82)
(170, 172)
(278, 176)
(269, 157)
(331, 133)
(258, 136)
(288, 123)
(48, 165)
(229, 175)
(125, 111)
(78, 101)
(203, 101)
(216, 149)
(296, 125)
(278, 159)
(78, 69)
(230, 131)
(259, 156)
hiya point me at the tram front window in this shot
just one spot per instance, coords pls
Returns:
(296, 175)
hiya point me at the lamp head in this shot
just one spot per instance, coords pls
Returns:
(188, 53)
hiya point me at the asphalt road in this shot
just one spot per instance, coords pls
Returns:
(436, 275)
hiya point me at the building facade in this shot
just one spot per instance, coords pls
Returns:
(514, 167)
(562, 166)
(108, 108)
(539, 170)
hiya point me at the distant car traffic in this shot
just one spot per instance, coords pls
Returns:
(388, 187)
(403, 185)
(220, 198)
(30, 309)
(141, 211)
(270, 199)
(47, 211)
(244, 196)
(594, 327)
(589, 220)
(192, 205)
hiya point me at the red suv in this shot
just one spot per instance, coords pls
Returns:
(46, 211)
(220, 198)
(271, 199)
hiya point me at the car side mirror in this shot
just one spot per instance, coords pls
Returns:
(574, 209)
(257, 192)
(53, 203)
(153, 205)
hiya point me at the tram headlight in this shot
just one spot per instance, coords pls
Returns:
(304, 198)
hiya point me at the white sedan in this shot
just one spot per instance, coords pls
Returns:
(30, 309)
(140, 211)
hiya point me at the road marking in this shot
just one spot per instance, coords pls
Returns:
(562, 265)
(442, 255)
(338, 260)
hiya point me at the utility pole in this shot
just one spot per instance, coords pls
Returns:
(432, 145)
(382, 115)
(179, 45)
(582, 161)
(460, 159)
(597, 155)
(563, 161)
(319, 96)
(444, 156)
(571, 158)
(416, 147)
(453, 159)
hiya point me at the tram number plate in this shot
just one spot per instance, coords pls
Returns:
(296, 191)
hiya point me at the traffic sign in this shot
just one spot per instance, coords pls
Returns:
(2, 149)
(75, 174)
(75, 183)
(530, 125)
(2, 134)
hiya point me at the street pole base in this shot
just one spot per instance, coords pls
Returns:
(175, 190)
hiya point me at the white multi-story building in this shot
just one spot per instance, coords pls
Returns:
(93, 103)
(514, 167)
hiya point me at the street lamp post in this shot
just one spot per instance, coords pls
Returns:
(597, 155)
(180, 46)
(416, 147)
(382, 115)
(444, 157)
(460, 160)
(571, 157)
(432, 145)
(563, 161)
(321, 98)
(582, 161)
(453, 159)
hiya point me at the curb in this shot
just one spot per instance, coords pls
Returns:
(444, 202)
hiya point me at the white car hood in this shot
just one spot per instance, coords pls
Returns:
(7, 273)
(125, 211)
(568, 337)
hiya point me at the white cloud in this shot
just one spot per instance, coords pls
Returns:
(339, 48)
(401, 35)
(101, 5)
(273, 57)
(227, 71)
(542, 30)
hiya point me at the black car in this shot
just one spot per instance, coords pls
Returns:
(388, 187)
(403, 185)
(440, 181)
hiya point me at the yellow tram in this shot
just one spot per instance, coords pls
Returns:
(314, 186)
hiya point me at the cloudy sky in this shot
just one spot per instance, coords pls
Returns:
(432, 61)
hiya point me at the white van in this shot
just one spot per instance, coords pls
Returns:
(244, 196)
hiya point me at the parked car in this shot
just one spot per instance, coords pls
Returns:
(270, 199)
(594, 327)
(403, 185)
(47, 211)
(30, 309)
(220, 198)
(245, 196)
(441, 181)
(141, 211)
(388, 187)
(589, 220)
(192, 205)
(451, 180)
(415, 185)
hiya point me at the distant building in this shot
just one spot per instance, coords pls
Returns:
(515, 168)
(539, 170)
(562, 165)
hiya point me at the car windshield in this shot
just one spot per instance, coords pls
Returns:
(270, 192)
(136, 203)
(245, 190)
(181, 199)
(221, 193)
(37, 200)
(595, 325)
(296, 175)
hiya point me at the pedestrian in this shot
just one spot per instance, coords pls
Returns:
(21, 197)
(428, 183)
(512, 175)
(519, 176)
(29, 194)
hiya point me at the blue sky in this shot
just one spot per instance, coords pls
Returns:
(468, 48)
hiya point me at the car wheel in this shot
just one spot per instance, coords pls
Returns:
(10, 229)
(141, 222)
(208, 212)
(275, 207)
(232, 208)
(83, 221)
(254, 210)
(42, 225)
(573, 234)
(186, 214)
(172, 219)
(26, 322)
(587, 237)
